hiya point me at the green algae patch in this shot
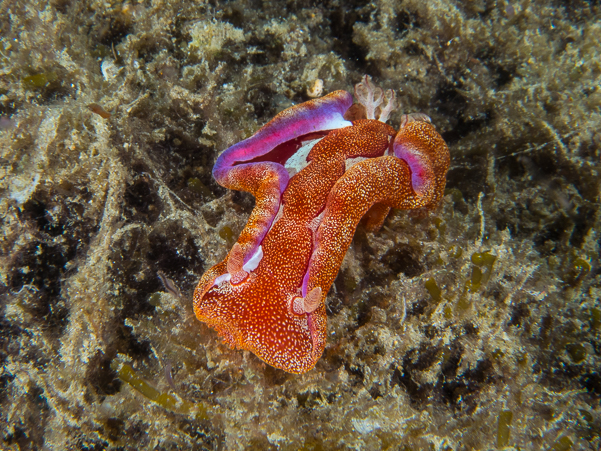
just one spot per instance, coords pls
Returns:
(226, 233)
(155, 299)
(455, 251)
(482, 270)
(457, 199)
(448, 312)
(475, 280)
(39, 81)
(595, 318)
(577, 352)
(577, 271)
(456, 195)
(563, 444)
(196, 186)
(497, 354)
(440, 225)
(127, 374)
(463, 304)
(581, 265)
(349, 281)
(434, 290)
(484, 260)
(503, 428)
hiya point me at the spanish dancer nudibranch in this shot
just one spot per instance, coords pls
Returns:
(315, 170)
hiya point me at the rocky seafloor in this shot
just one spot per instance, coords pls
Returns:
(476, 326)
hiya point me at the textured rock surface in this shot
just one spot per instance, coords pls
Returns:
(439, 325)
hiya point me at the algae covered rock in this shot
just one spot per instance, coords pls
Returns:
(473, 326)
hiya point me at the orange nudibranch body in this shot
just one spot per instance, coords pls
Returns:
(314, 175)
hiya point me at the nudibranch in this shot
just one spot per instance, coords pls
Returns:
(315, 170)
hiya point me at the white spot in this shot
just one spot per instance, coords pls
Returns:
(22, 188)
(109, 69)
(316, 88)
(254, 261)
(298, 161)
(22, 185)
(276, 438)
(365, 426)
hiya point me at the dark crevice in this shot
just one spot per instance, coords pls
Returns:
(406, 20)
(342, 21)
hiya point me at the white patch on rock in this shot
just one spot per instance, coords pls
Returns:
(209, 36)
(24, 184)
(109, 69)
(365, 426)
